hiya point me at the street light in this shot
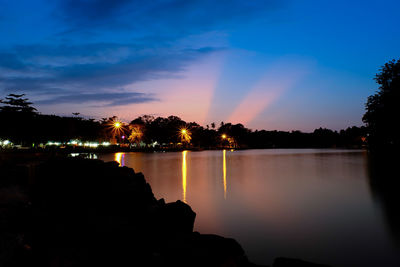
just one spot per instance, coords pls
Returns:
(116, 127)
(226, 139)
(117, 124)
(185, 135)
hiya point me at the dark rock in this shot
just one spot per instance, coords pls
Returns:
(161, 202)
(112, 164)
(203, 250)
(80, 212)
(287, 262)
(178, 217)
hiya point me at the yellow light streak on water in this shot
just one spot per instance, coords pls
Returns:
(224, 170)
(119, 157)
(184, 174)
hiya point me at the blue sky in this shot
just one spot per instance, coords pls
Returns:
(269, 64)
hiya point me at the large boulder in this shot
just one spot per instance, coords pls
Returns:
(288, 262)
(178, 218)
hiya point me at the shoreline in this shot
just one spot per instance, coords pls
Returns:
(61, 151)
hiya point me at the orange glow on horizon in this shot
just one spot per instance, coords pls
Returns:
(189, 96)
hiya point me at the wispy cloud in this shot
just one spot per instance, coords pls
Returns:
(102, 47)
(108, 99)
(88, 68)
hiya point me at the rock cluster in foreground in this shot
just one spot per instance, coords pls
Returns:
(77, 212)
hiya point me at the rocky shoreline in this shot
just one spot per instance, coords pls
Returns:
(81, 212)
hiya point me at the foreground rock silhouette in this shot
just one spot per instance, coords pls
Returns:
(79, 212)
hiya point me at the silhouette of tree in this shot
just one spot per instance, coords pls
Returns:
(17, 115)
(383, 110)
(19, 118)
(16, 103)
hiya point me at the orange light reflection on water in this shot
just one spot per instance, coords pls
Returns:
(120, 158)
(224, 170)
(184, 174)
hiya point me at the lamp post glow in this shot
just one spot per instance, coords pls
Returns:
(185, 135)
(117, 125)
(116, 128)
(226, 140)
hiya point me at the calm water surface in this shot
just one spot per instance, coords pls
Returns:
(318, 205)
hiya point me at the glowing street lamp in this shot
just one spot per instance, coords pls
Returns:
(185, 135)
(117, 124)
(226, 140)
(117, 128)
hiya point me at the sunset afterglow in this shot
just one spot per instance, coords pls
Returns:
(260, 63)
(199, 133)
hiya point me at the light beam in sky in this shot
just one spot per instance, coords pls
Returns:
(280, 78)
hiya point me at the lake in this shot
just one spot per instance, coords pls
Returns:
(316, 204)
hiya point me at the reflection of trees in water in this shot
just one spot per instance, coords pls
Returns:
(384, 183)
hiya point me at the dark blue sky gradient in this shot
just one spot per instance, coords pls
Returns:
(304, 64)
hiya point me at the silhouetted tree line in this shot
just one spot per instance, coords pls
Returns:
(164, 130)
(22, 124)
(383, 109)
